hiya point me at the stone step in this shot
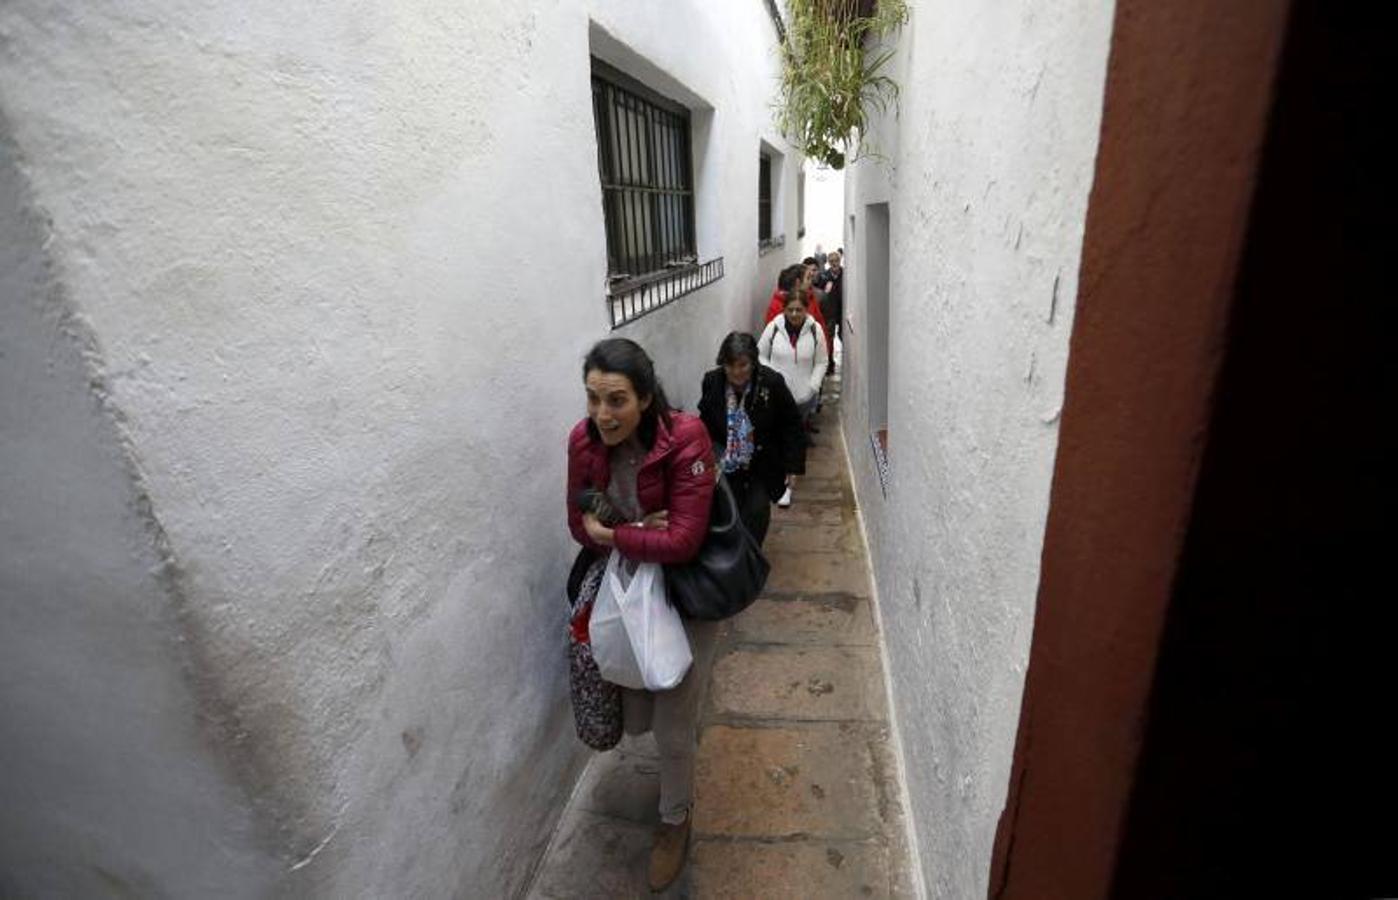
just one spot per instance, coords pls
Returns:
(825, 620)
(824, 484)
(813, 539)
(811, 513)
(770, 682)
(818, 573)
(805, 870)
(807, 781)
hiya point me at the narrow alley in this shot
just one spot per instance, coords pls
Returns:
(325, 330)
(797, 792)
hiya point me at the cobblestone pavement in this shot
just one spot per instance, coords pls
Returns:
(796, 791)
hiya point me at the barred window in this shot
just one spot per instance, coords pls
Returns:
(643, 158)
(647, 175)
(764, 197)
(800, 204)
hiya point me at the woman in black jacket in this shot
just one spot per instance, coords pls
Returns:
(755, 427)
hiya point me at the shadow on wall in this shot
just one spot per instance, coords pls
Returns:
(106, 764)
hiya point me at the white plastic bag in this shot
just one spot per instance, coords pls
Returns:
(611, 647)
(638, 639)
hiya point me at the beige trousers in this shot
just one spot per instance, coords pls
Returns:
(673, 716)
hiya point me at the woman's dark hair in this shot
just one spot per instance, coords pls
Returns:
(791, 297)
(790, 276)
(620, 356)
(737, 345)
(809, 261)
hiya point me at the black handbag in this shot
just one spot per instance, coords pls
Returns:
(729, 571)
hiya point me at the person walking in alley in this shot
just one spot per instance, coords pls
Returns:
(832, 282)
(815, 286)
(794, 345)
(793, 278)
(805, 274)
(655, 467)
(751, 414)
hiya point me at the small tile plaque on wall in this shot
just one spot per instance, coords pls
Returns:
(879, 440)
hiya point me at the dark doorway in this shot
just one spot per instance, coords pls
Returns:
(1266, 765)
(1210, 682)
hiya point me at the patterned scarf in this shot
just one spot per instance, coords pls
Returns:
(738, 453)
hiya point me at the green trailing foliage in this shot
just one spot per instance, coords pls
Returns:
(831, 84)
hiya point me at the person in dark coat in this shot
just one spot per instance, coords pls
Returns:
(756, 429)
(832, 281)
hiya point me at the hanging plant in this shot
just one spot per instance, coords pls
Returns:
(830, 85)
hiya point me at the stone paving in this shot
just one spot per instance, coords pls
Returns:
(795, 784)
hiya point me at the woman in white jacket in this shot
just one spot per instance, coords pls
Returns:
(794, 344)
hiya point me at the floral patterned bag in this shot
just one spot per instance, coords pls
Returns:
(596, 702)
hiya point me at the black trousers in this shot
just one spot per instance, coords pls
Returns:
(754, 503)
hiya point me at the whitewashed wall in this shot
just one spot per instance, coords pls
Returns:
(991, 161)
(295, 299)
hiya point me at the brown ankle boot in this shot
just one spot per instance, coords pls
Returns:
(668, 853)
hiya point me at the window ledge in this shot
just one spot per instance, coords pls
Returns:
(629, 300)
(767, 245)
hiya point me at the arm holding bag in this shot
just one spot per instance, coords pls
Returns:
(729, 571)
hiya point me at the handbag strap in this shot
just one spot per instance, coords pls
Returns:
(723, 492)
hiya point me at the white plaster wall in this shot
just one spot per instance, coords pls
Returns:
(990, 166)
(108, 785)
(825, 205)
(335, 271)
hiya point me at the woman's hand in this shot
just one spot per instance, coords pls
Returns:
(597, 532)
(658, 519)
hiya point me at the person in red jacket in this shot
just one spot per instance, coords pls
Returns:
(794, 278)
(654, 467)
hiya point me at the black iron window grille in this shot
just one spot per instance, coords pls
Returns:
(643, 158)
(648, 294)
(646, 170)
